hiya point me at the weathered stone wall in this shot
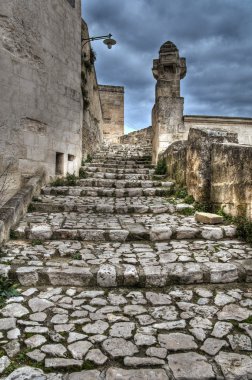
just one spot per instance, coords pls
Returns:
(215, 169)
(112, 100)
(92, 132)
(175, 156)
(40, 77)
(140, 137)
(198, 168)
(231, 178)
(241, 126)
(167, 113)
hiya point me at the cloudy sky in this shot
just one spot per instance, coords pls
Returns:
(215, 36)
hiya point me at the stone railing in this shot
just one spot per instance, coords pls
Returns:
(214, 168)
(13, 210)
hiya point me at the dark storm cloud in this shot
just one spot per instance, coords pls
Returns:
(214, 36)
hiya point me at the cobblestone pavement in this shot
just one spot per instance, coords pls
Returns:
(125, 287)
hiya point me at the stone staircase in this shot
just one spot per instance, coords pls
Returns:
(116, 283)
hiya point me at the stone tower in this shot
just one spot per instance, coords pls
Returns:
(167, 113)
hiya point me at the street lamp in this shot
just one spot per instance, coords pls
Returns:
(107, 40)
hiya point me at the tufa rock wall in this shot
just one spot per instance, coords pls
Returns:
(198, 167)
(140, 137)
(231, 178)
(112, 101)
(40, 77)
(214, 168)
(92, 131)
(175, 156)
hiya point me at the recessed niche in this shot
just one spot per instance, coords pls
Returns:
(59, 169)
(71, 157)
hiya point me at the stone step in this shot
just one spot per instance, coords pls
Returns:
(123, 156)
(128, 205)
(119, 166)
(118, 171)
(121, 184)
(141, 264)
(90, 226)
(131, 161)
(107, 192)
(190, 333)
(132, 176)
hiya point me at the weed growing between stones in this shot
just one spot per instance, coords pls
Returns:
(35, 242)
(58, 182)
(244, 229)
(70, 180)
(189, 199)
(203, 207)
(7, 289)
(92, 56)
(77, 256)
(13, 235)
(244, 226)
(248, 320)
(186, 211)
(89, 159)
(161, 168)
(82, 173)
(181, 193)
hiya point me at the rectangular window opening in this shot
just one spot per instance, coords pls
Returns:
(71, 157)
(59, 170)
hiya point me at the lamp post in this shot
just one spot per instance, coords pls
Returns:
(107, 40)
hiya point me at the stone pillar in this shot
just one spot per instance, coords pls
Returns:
(167, 113)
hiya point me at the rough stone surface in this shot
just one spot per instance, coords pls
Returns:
(235, 366)
(208, 218)
(117, 347)
(190, 366)
(79, 349)
(143, 374)
(177, 341)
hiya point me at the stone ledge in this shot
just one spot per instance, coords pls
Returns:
(16, 207)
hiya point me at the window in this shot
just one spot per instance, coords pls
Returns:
(72, 3)
(59, 169)
(71, 157)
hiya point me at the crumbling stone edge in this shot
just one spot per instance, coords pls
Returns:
(13, 210)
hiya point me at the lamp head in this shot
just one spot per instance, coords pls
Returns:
(109, 42)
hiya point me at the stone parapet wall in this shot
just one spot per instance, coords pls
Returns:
(140, 137)
(112, 101)
(92, 131)
(16, 207)
(231, 178)
(175, 157)
(40, 97)
(198, 167)
(215, 169)
(240, 125)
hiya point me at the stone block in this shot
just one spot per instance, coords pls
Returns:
(208, 218)
(198, 171)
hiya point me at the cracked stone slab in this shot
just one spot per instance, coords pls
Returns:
(190, 366)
